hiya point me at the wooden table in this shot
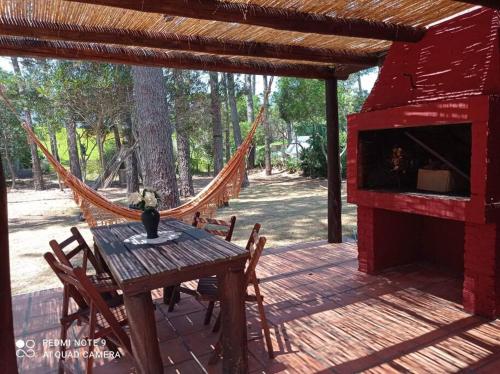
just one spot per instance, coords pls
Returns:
(138, 269)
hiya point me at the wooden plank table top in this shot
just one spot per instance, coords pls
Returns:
(140, 268)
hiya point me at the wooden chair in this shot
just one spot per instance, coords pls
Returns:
(207, 289)
(215, 226)
(105, 318)
(171, 294)
(68, 258)
(81, 247)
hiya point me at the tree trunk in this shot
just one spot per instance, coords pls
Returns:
(35, 160)
(131, 161)
(234, 109)
(54, 150)
(53, 144)
(186, 187)
(249, 93)
(251, 156)
(116, 135)
(118, 146)
(250, 118)
(234, 118)
(184, 155)
(227, 122)
(267, 133)
(227, 141)
(12, 171)
(74, 160)
(100, 149)
(216, 122)
(289, 132)
(10, 165)
(155, 134)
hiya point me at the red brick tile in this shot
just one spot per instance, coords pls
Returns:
(165, 330)
(173, 352)
(188, 304)
(123, 365)
(189, 323)
(325, 317)
(201, 342)
(186, 367)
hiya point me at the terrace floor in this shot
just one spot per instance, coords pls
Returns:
(326, 318)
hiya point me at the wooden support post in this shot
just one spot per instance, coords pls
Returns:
(233, 319)
(7, 347)
(334, 178)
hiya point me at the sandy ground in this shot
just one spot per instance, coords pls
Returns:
(290, 209)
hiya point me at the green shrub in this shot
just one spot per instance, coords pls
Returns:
(292, 165)
(313, 161)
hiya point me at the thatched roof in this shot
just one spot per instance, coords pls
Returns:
(311, 38)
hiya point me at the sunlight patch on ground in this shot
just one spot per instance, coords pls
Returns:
(290, 208)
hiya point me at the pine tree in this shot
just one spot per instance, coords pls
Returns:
(216, 122)
(154, 134)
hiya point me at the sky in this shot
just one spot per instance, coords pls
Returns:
(5, 63)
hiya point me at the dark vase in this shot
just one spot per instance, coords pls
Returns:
(150, 219)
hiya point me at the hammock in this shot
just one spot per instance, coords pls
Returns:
(99, 211)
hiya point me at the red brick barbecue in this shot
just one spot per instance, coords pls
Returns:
(435, 110)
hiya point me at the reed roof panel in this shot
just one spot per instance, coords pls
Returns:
(76, 15)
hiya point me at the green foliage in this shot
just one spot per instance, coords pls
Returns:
(93, 167)
(13, 143)
(99, 96)
(192, 112)
(313, 159)
(292, 165)
(301, 103)
(300, 100)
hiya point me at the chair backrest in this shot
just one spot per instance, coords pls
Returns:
(81, 247)
(255, 246)
(253, 235)
(76, 279)
(215, 226)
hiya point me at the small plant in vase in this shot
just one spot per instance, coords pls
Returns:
(147, 201)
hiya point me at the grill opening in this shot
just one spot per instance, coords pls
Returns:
(426, 160)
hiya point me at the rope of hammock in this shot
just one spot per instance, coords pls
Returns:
(98, 210)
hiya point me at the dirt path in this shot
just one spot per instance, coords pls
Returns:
(289, 208)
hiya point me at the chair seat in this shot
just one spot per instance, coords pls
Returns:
(103, 280)
(116, 307)
(208, 286)
(118, 312)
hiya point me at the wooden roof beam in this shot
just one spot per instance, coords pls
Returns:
(494, 4)
(24, 47)
(77, 33)
(276, 18)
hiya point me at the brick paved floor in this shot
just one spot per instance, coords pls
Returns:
(326, 317)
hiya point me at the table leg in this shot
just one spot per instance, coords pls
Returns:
(100, 261)
(234, 324)
(141, 318)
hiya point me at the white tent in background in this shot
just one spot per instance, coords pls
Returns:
(298, 145)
